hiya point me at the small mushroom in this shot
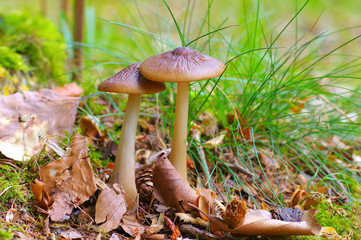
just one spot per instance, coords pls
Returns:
(129, 81)
(182, 65)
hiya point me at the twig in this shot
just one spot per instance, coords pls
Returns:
(238, 167)
(198, 233)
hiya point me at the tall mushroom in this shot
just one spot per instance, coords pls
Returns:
(182, 65)
(129, 81)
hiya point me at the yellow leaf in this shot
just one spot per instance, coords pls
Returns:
(24, 88)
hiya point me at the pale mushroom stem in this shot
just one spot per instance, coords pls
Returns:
(124, 167)
(178, 154)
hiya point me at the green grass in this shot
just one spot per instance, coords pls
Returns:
(267, 74)
(270, 68)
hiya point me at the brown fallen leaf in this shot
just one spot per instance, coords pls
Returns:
(69, 90)
(110, 208)
(260, 222)
(41, 197)
(131, 226)
(191, 218)
(69, 180)
(12, 215)
(205, 201)
(90, 129)
(214, 142)
(27, 118)
(170, 188)
(156, 225)
(268, 159)
(297, 195)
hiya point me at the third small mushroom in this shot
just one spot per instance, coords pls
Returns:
(181, 66)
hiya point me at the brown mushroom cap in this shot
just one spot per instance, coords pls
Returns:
(183, 64)
(129, 80)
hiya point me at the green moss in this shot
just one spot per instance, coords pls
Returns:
(95, 155)
(9, 59)
(12, 186)
(38, 42)
(346, 221)
(6, 234)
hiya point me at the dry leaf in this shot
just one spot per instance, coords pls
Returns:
(131, 226)
(205, 202)
(156, 226)
(297, 195)
(41, 197)
(12, 215)
(214, 142)
(71, 234)
(69, 90)
(268, 159)
(170, 188)
(235, 212)
(90, 129)
(69, 180)
(190, 218)
(208, 123)
(27, 118)
(110, 208)
(260, 222)
(243, 130)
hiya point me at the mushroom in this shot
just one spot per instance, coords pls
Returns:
(129, 81)
(182, 65)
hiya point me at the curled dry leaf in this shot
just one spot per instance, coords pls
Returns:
(297, 195)
(26, 118)
(260, 222)
(12, 215)
(41, 197)
(90, 129)
(69, 180)
(170, 188)
(110, 208)
(234, 212)
(205, 202)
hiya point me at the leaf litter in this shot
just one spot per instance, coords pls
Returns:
(70, 180)
(69, 184)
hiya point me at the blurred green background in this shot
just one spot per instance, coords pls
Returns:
(107, 42)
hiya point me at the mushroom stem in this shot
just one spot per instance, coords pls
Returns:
(178, 154)
(124, 167)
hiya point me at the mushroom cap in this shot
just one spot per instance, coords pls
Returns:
(183, 64)
(129, 80)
